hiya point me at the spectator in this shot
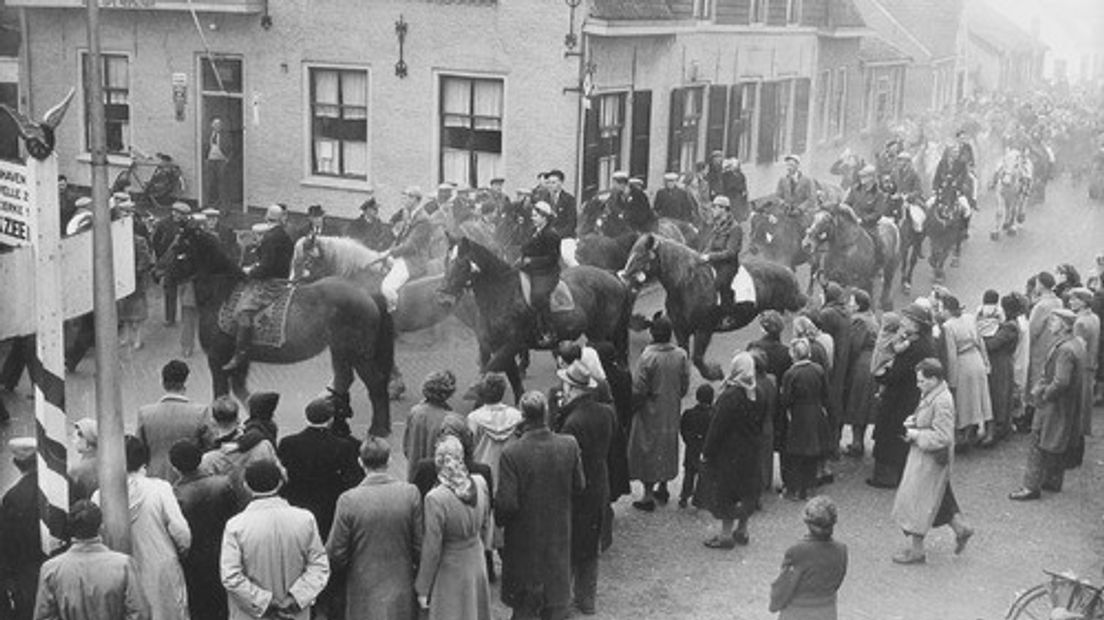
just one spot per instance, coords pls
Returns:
(924, 499)
(452, 581)
(493, 424)
(778, 354)
(369, 230)
(320, 465)
(377, 538)
(1058, 415)
(731, 453)
(236, 451)
(661, 380)
(83, 479)
(424, 423)
(858, 394)
(159, 535)
(207, 503)
(821, 346)
(170, 419)
(769, 386)
(1070, 279)
(89, 581)
(835, 320)
(803, 400)
(592, 424)
(1039, 340)
(1021, 359)
(262, 410)
(272, 563)
(224, 416)
(20, 541)
(1000, 346)
(1086, 328)
(620, 385)
(672, 201)
(967, 374)
(813, 569)
(693, 426)
(540, 474)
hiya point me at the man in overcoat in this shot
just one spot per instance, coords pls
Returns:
(591, 423)
(721, 250)
(369, 229)
(795, 190)
(20, 544)
(411, 251)
(835, 320)
(172, 418)
(1058, 409)
(1040, 338)
(674, 202)
(540, 474)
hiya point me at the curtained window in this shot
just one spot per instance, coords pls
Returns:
(116, 93)
(339, 122)
(471, 111)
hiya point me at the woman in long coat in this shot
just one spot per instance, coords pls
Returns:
(661, 380)
(924, 499)
(967, 372)
(803, 399)
(1001, 348)
(731, 453)
(900, 395)
(858, 393)
(424, 423)
(452, 577)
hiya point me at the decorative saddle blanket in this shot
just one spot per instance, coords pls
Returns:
(270, 322)
(743, 287)
(561, 301)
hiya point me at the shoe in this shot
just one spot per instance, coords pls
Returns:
(854, 450)
(908, 556)
(587, 609)
(1024, 495)
(741, 538)
(717, 542)
(662, 496)
(880, 484)
(962, 539)
(646, 506)
(682, 502)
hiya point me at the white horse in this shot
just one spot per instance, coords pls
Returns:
(1012, 184)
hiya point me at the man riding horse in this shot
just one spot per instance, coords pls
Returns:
(722, 250)
(410, 251)
(274, 253)
(627, 209)
(540, 259)
(870, 205)
(796, 191)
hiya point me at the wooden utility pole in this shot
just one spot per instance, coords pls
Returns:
(111, 465)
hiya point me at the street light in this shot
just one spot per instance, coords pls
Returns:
(570, 39)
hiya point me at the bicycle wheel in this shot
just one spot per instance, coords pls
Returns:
(1035, 604)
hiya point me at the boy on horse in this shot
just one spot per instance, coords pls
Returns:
(722, 250)
(540, 260)
(274, 253)
(869, 204)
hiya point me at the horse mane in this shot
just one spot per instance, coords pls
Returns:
(487, 260)
(681, 259)
(347, 257)
(214, 258)
(846, 211)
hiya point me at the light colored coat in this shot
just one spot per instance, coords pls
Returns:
(1087, 328)
(493, 428)
(377, 534)
(967, 371)
(452, 572)
(925, 480)
(1039, 338)
(90, 567)
(1058, 395)
(269, 551)
(661, 380)
(162, 424)
(159, 534)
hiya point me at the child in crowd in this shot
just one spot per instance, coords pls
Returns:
(692, 427)
(883, 346)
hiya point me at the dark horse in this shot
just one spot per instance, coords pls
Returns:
(850, 258)
(946, 219)
(330, 313)
(913, 226)
(602, 307)
(776, 236)
(691, 299)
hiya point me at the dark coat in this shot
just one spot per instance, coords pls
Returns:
(835, 321)
(1058, 413)
(638, 212)
(1001, 348)
(804, 397)
(566, 217)
(799, 194)
(869, 204)
(812, 572)
(20, 544)
(592, 424)
(675, 203)
(374, 235)
(692, 428)
(898, 400)
(414, 240)
(274, 254)
(729, 183)
(731, 450)
(540, 254)
(320, 467)
(207, 502)
(620, 385)
(859, 388)
(164, 232)
(540, 473)
(778, 355)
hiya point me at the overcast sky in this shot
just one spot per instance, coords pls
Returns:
(1072, 28)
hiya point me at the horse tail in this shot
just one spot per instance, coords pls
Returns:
(385, 334)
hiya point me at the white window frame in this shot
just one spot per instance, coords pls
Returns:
(606, 167)
(824, 103)
(85, 150)
(324, 180)
(793, 12)
(435, 113)
(759, 12)
(704, 9)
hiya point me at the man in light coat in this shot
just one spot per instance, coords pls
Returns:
(1039, 340)
(273, 563)
(172, 418)
(1087, 328)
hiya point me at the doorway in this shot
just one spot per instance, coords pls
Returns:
(220, 134)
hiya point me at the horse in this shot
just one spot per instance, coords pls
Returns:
(1011, 182)
(332, 312)
(849, 258)
(602, 305)
(912, 227)
(610, 253)
(692, 300)
(317, 257)
(776, 236)
(945, 219)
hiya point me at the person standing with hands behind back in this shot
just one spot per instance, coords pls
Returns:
(813, 569)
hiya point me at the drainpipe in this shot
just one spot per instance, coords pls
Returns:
(26, 102)
(580, 110)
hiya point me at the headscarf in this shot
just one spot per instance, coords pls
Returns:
(742, 373)
(452, 473)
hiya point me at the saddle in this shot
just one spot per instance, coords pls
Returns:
(743, 287)
(270, 322)
(561, 300)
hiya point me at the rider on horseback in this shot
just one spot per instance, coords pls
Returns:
(722, 250)
(274, 253)
(795, 190)
(869, 204)
(410, 252)
(540, 259)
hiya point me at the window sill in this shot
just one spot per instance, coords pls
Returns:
(351, 185)
(118, 161)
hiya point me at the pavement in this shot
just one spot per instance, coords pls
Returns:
(658, 567)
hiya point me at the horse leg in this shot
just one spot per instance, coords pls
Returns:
(376, 380)
(711, 372)
(238, 383)
(220, 383)
(505, 360)
(342, 380)
(887, 284)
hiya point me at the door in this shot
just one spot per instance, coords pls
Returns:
(220, 135)
(640, 145)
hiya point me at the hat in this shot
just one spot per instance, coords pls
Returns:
(722, 201)
(576, 375)
(88, 429)
(917, 314)
(181, 207)
(320, 411)
(1068, 316)
(555, 172)
(22, 448)
(274, 212)
(315, 211)
(445, 185)
(1083, 294)
(263, 477)
(637, 181)
(211, 212)
(262, 405)
(544, 209)
(671, 176)
(867, 170)
(904, 155)
(83, 202)
(497, 180)
(716, 153)
(794, 158)
(199, 217)
(620, 175)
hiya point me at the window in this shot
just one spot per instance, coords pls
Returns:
(339, 122)
(686, 112)
(759, 10)
(607, 134)
(703, 9)
(745, 133)
(793, 11)
(471, 130)
(611, 122)
(823, 97)
(837, 112)
(116, 94)
(883, 95)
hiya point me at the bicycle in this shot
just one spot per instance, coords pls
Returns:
(1064, 597)
(162, 185)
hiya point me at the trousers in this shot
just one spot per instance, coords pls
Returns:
(584, 574)
(1044, 469)
(567, 252)
(393, 281)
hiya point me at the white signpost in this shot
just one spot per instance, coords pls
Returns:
(16, 212)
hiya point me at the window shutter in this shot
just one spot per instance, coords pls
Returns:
(591, 150)
(715, 122)
(674, 128)
(640, 145)
(736, 126)
(776, 12)
(801, 114)
(768, 112)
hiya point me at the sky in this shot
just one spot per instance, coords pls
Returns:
(1072, 28)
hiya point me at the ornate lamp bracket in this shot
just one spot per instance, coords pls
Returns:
(401, 28)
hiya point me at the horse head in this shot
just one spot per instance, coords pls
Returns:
(820, 231)
(307, 261)
(467, 263)
(182, 259)
(643, 260)
(763, 223)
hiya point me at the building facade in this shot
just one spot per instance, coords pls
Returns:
(1002, 57)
